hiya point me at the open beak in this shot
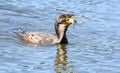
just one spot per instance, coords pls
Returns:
(77, 21)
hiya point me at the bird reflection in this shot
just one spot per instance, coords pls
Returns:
(61, 64)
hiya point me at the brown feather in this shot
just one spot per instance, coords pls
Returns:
(38, 38)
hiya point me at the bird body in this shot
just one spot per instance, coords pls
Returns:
(37, 38)
(61, 24)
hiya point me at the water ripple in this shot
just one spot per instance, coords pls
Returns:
(93, 47)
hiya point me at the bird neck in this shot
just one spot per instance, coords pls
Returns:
(61, 34)
(62, 37)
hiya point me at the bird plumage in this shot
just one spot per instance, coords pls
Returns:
(61, 24)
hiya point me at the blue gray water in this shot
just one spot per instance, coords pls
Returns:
(94, 47)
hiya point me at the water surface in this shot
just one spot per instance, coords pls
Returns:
(94, 47)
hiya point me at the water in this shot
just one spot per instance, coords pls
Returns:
(94, 47)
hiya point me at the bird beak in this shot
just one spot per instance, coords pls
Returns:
(78, 16)
(77, 21)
